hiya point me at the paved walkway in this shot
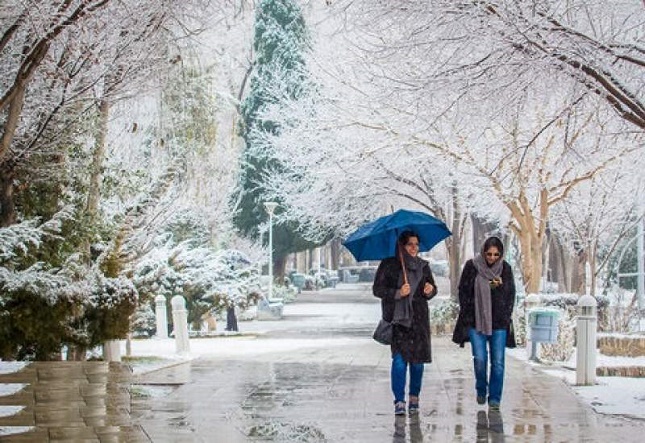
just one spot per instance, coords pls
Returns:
(335, 388)
(314, 376)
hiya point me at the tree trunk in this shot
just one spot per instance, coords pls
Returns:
(7, 207)
(558, 261)
(530, 231)
(279, 264)
(592, 270)
(335, 253)
(453, 247)
(98, 157)
(531, 260)
(12, 119)
(580, 276)
(481, 231)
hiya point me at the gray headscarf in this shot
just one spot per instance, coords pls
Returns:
(403, 305)
(483, 306)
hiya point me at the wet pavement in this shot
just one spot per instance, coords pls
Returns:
(68, 401)
(337, 390)
(315, 376)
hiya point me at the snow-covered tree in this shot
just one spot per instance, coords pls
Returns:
(62, 66)
(511, 157)
(81, 65)
(280, 44)
(500, 47)
(594, 220)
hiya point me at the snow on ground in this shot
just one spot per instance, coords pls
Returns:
(610, 395)
(7, 367)
(305, 316)
(10, 389)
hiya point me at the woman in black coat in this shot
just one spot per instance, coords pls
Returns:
(406, 306)
(486, 300)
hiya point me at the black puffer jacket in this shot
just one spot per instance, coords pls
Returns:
(502, 302)
(413, 343)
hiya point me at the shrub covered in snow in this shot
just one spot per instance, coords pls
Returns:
(444, 312)
(209, 280)
(51, 298)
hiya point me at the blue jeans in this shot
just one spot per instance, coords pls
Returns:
(399, 376)
(497, 345)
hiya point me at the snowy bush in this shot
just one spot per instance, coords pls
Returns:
(51, 298)
(286, 293)
(209, 280)
(108, 309)
(444, 312)
(37, 310)
(144, 320)
(622, 313)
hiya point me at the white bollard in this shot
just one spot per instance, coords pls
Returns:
(161, 315)
(180, 324)
(586, 325)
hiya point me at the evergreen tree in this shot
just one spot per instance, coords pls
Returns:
(280, 44)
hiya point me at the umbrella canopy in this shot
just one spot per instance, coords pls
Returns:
(377, 239)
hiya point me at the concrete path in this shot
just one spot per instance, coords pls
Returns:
(317, 376)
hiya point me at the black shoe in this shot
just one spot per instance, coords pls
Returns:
(481, 400)
(493, 406)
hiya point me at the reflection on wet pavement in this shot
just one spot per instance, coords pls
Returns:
(68, 401)
(490, 426)
(407, 426)
(340, 392)
(335, 392)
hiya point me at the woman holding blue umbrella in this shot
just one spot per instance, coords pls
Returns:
(404, 283)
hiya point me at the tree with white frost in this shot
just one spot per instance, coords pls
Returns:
(519, 154)
(63, 69)
(499, 47)
(183, 263)
(467, 97)
(595, 219)
(280, 45)
(58, 62)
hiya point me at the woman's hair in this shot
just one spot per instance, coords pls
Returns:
(405, 236)
(493, 242)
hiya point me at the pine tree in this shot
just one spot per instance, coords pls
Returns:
(280, 45)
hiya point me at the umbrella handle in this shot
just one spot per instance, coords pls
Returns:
(405, 272)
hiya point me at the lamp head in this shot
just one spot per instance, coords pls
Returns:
(270, 207)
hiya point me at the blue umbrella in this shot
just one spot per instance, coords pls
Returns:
(377, 239)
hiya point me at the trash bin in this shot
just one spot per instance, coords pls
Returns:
(544, 325)
(298, 281)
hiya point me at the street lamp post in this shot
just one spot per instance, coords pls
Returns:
(270, 208)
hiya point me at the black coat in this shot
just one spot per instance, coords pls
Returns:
(413, 343)
(502, 302)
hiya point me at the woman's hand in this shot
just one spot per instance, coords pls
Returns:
(496, 282)
(405, 290)
(427, 289)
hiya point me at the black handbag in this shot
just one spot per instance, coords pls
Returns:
(383, 332)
